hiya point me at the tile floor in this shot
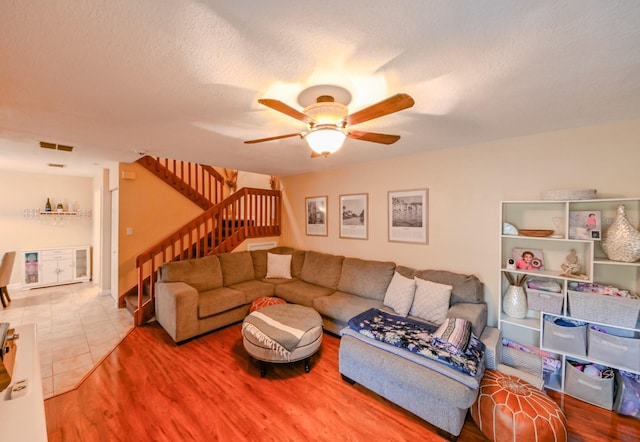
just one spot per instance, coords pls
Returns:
(76, 328)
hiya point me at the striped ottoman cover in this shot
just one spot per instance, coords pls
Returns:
(510, 409)
(264, 302)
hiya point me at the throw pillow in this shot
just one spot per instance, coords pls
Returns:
(453, 335)
(399, 294)
(278, 266)
(431, 301)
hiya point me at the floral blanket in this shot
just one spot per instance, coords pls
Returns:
(417, 338)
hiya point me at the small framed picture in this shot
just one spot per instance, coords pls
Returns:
(316, 215)
(585, 224)
(354, 212)
(528, 259)
(408, 216)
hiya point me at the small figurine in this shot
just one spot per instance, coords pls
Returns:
(571, 268)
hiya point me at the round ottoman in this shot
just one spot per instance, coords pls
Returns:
(265, 301)
(510, 409)
(282, 333)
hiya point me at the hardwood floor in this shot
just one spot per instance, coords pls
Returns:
(208, 389)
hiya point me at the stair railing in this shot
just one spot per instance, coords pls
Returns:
(201, 183)
(248, 213)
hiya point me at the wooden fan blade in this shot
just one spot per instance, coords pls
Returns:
(279, 137)
(315, 154)
(286, 109)
(392, 104)
(374, 137)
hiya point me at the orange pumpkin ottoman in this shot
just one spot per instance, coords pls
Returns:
(265, 302)
(510, 409)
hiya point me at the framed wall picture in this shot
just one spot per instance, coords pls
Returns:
(354, 213)
(316, 215)
(528, 259)
(585, 224)
(408, 216)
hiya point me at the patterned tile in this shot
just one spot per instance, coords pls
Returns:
(76, 328)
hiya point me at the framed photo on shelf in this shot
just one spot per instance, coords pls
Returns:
(585, 224)
(528, 259)
(408, 216)
(354, 213)
(316, 215)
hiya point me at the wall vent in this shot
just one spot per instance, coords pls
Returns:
(53, 146)
(56, 165)
(261, 245)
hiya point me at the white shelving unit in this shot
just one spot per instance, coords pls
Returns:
(595, 268)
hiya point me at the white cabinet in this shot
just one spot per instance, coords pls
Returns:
(45, 267)
(568, 220)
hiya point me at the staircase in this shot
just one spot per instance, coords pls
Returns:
(248, 213)
(200, 183)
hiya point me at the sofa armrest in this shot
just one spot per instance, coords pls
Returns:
(474, 313)
(492, 339)
(177, 309)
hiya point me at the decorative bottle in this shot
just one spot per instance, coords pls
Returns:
(621, 241)
(47, 207)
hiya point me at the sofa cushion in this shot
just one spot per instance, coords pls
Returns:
(466, 288)
(341, 306)
(399, 294)
(219, 300)
(368, 279)
(254, 289)
(322, 269)
(431, 301)
(300, 292)
(200, 273)
(278, 266)
(236, 267)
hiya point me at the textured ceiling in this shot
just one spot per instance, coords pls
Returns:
(181, 78)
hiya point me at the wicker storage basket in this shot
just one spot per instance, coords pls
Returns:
(545, 301)
(604, 309)
(566, 195)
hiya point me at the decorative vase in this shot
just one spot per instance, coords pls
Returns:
(514, 302)
(621, 241)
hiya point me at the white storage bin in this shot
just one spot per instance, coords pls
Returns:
(596, 391)
(564, 339)
(549, 302)
(604, 309)
(614, 350)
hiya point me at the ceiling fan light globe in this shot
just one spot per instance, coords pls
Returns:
(325, 140)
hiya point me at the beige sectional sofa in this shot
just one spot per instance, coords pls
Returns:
(196, 296)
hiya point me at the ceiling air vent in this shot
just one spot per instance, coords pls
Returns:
(53, 146)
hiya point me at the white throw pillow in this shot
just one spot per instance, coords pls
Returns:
(278, 266)
(431, 301)
(399, 295)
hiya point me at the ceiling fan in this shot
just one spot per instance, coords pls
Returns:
(328, 122)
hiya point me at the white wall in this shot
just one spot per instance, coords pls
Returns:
(19, 191)
(466, 186)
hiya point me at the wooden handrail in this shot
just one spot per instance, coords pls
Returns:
(201, 183)
(248, 213)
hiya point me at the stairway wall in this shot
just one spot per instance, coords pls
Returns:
(153, 210)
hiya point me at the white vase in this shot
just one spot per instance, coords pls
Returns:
(621, 241)
(514, 302)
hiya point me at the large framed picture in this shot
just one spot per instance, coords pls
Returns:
(316, 215)
(408, 216)
(354, 213)
(585, 224)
